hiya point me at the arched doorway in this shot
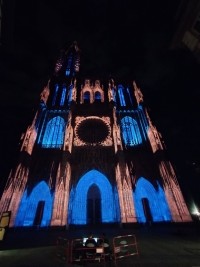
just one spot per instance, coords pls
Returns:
(92, 181)
(93, 205)
(39, 213)
(146, 208)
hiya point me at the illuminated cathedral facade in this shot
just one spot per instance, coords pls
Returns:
(91, 155)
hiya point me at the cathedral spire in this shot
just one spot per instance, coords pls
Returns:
(68, 62)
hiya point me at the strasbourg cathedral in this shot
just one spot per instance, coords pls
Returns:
(91, 155)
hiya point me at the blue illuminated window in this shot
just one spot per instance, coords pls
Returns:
(67, 72)
(69, 64)
(114, 94)
(70, 93)
(62, 101)
(130, 98)
(29, 204)
(86, 97)
(156, 201)
(78, 198)
(54, 133)
(130, 131)
(121, 95)
(55, 95)
(97, 97)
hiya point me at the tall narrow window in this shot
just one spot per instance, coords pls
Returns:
(55, 95)
(62, 100)
(121, 96)
(86, 97)
(129, 95)
(70, 93)
(130, 131)
(97, 97)
(69, 65)
(54, 133)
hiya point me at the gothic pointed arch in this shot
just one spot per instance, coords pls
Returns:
(29, 205)
(130, 131)
(146, 197)
(78, 198)
(54, 133)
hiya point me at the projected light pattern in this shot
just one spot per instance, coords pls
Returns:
(69, 64)
(97, 96)
(156, 199)
(143, 121)
(78, 198)
(62, 100)
(117, 207)
(130, 131)
(28, 206)
(86, 97)
(70, 93)
(54, 133)
(129, 95)
(121, 96)
(55, 95)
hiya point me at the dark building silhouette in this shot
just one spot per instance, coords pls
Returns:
(91, 155)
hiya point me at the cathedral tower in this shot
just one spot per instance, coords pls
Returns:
(91, 155)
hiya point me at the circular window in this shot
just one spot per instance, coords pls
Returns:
(92, 131)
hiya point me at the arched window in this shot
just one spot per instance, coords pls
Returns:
(86, 97)
(121, 95)
(130, 131)
(62, 100)
(97, 97)
(54, 133)
(55, 95)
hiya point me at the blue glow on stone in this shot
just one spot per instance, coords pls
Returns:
(143, 122)
(70, 93)
(130, 98)
(86, 97)
(157, 202)
(55, 95)
(114, 94)
(121, 95)
(54, 133)
(67, 72)
(130, 131)
(28, 206)
(97, 96)
(62, 101)
(69, 64)
(78, 198)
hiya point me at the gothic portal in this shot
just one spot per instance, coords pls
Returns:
(91, 155)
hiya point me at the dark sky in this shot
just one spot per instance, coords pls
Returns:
(127, 39)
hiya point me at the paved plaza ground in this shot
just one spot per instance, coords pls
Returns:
(159, 245)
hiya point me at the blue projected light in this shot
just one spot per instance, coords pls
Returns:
(62, 101)
(156, 200)
(130, 131)
(121, 95)
(86, 96)
(28, 206)
(54, 133)
(97, 96)
(130, 98)
(78, 198)
(70, 93)
(55, 95)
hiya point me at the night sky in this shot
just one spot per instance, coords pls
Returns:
(126, 39)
